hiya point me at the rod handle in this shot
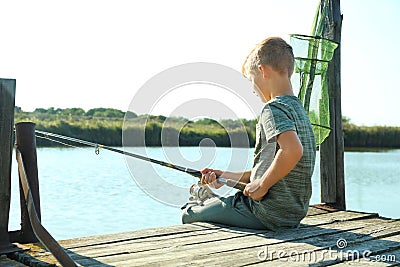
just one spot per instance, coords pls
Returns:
(232, 183)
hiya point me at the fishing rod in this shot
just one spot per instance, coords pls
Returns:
(193, 172)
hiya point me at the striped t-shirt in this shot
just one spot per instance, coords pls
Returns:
(287, 201)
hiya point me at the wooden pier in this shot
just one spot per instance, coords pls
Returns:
(326, 237)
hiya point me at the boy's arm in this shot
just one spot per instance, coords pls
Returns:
(289, 153)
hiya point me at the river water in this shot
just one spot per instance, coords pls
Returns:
(85, 194)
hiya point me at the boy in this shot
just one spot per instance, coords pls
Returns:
(278, 187)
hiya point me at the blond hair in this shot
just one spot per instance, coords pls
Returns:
(273, 51)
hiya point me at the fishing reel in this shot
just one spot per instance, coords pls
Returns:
(198, 194)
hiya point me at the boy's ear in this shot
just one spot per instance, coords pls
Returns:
(264, 70)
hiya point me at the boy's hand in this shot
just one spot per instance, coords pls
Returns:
(209, 177)
(254, 190)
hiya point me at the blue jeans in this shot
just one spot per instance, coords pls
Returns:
(232, 211)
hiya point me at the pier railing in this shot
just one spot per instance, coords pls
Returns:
(31, 227)
(25, 147)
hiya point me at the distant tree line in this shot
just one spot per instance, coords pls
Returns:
(104, 126)
(95, 112)
(370, 136)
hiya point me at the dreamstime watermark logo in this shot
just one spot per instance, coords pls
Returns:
(341, 243)
(340, 253)
(193, 91)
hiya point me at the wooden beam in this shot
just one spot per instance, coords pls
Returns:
(7, 105)
(332, 149)
(25, 141)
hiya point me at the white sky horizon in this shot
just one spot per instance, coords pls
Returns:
(90, 54)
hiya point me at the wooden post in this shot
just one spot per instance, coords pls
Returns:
(7, 105)
(332, 149)
(26, 143)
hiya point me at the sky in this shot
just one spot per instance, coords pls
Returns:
(90, 54)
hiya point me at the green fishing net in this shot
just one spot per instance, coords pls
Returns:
(312, 57)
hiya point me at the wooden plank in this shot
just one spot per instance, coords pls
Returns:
(32, 261)
(319, 209)
(140, 234)
(32, 255)
(205, 251)
(6, 262)
(336, 216)
(7, 105)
